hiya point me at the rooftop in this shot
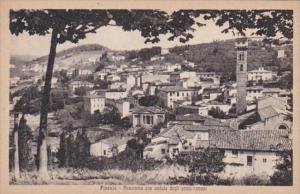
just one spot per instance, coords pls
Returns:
(174, 89)
(261, 140)
(115, 140)
(269, 111)
(150, 109)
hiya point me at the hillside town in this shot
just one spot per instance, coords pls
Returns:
(161, 107)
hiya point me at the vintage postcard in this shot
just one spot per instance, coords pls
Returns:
(153, 96)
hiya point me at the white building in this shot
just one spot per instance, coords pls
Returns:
(78, 84)
(253, 93)
(109, 147)
(82, 72)
(148, 116)
(115, 94)
(190, 82)
(113, 78)
(94, 103)
(177, 76)
(174, 93)
(249, 152)
(168, 143)
(122, 106)
(14, 81)
(168, 67)
(260, 74)
(280, 54)
(153, 78)
(100, 75)
(206, 75)
(164, 51)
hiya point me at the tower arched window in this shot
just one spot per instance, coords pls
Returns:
(241, 57)
(241, 67)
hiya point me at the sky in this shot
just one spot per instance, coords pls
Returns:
(112, 37)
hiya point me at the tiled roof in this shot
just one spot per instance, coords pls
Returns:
(116, 140)
(261, 140)
(268, 112)
(272, 90)
(174, 89)
(204, 120)
(212, 90)
(150, 109)
(175, 133)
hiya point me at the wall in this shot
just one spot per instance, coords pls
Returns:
(93, 104)
(259, 167)
(137, 119)
(97, 149)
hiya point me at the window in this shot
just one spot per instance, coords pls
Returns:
(104, 152)
(163, 151)
(148, 120)
(264, 160)
(234, 153)
(241, 67)
(177, 93)
(170, 93)
(249, 160)
(182, 94)
(283, 127)
(241, 57)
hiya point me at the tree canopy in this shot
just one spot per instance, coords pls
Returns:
(73, 25)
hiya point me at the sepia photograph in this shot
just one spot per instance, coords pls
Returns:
(151, 97)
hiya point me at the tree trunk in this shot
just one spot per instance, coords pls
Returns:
(42, 143)
(16, 148)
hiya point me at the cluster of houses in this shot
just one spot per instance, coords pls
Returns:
(249, 141)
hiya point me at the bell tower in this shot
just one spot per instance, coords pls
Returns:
(241, 46)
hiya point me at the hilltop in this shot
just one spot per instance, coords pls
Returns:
(74, 51)
(218, 56)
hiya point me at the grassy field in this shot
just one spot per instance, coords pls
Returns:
(113, 176)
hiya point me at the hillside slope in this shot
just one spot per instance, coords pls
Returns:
(221, 55)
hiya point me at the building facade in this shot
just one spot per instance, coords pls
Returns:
(148, 116)
(94, 103)
(174, 93)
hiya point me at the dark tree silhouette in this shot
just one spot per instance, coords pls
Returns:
(73, 25)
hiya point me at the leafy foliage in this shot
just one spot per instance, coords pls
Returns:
(284, 169)
(217, 113)
(148, 100)
(73, 25)
(203, 164)
(23, 105)
(73, 151)
(81, 91)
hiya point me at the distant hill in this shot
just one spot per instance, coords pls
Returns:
(74, 50)
(221, 55)
(21, 59)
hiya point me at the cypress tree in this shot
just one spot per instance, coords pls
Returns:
(25, 137)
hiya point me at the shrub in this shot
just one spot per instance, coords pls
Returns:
(204, 166)
(284, 169)
(254, 180)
